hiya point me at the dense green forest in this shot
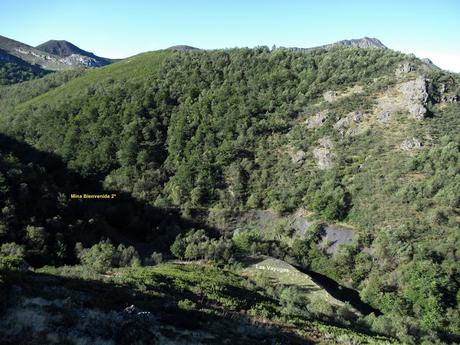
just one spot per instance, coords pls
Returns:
(181, 135)
(11, 73)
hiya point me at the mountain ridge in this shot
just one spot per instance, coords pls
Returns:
(64, 49)
(364, 43)
(47, 60)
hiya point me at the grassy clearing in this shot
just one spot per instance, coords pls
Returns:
(282, 274)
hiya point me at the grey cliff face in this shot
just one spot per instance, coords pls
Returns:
(415, 96)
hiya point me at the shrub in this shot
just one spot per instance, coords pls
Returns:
(186, 304)
(12, 257)
(127, 256)
(156, 258)
(294, 302)
(100, 257)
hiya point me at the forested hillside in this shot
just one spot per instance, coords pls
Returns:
(365, 137)
(14, 70)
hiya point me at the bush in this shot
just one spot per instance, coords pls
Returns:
(186, 304)
(155, 258)
(127, 256)
(294, 302)
(12, 257)
(100, 257)
(196, 245)
(247, 241)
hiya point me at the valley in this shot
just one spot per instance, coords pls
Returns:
(260, 196)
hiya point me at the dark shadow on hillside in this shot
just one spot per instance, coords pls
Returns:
(341, 292)
(123, 219)
(159, 312)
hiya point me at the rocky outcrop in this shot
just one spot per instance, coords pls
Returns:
(446, 96)
(405, 68)
(297, 157)
(81, 60)
(67, 56)
(330, 96)
(332, 237)
(411, 144)
(347, 124)
(132, 312)
(415, 97)
(318, 119)
(324, 154)
(384, 116)
(365, 43)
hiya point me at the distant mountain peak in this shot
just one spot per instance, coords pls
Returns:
(52, 55)
(72, 54)
(61, 48)
(182, 47)
(365, 42)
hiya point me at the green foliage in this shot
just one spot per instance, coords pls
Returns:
(197, 295)
(100, 257)
(104, 256)
(201, 130)
(186, 304)
(294, 302)
(197, 245)
(247, 241)
(156, 258)
(11, 257)
(12, 249)
(12, 73)
(176, 113)
(18, 93)
(127, 256)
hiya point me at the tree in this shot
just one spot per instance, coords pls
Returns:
(100, 257)
(12, 257)
(178, 247)
(127, 256)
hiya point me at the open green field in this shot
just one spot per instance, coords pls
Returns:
(280, 273)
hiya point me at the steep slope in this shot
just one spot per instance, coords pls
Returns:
(166, 304)
(12, 95)
(66, 49)
(14, 70)
(363, 136)
(39, 213)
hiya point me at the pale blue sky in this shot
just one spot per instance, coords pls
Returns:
(122, 28)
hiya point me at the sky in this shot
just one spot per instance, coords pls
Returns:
(118, 29)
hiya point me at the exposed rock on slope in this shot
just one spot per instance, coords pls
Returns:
(318, 119)
(411, 144)
(297, 157)
(410, 96)
(415, 97)
(48, 60)
(347, 124)
(404, 69)
(330, 96)
(365, 42)
(324, 154)
(71, 54)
